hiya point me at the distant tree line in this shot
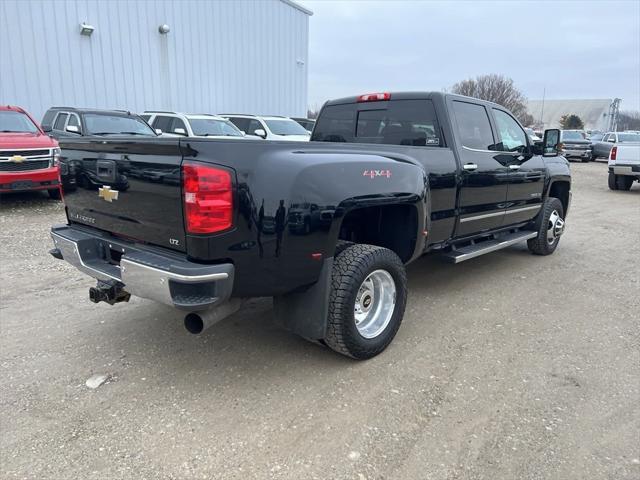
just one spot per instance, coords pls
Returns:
(629, 120)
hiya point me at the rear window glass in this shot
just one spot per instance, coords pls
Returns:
(628, 137)
(569, 135)
(397, 122)
(101, 124)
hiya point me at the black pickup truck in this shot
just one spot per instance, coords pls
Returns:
(325, 227)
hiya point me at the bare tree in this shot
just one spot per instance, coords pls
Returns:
(498, 89)
(629, 120)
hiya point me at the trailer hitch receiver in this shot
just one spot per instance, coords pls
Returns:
(110, 292)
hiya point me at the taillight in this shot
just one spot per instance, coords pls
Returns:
(614, 153)
(374, 97)
(208, 198)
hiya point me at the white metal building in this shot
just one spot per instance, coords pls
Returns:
(219, 56)
(595, 113)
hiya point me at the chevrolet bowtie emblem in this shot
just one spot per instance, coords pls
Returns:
(17, 159)
(108, 194)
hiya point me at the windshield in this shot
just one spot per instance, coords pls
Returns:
(285, 127)
(105, 124)
(628, 137)
(568, 135)
(214, 127)
(11, 121)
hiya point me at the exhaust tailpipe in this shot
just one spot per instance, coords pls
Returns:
(198, 322)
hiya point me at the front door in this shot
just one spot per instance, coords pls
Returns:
(484, 176)
(527, 171)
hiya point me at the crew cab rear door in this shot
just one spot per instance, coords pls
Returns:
(127, 187)
(484, 175)
(526, 170)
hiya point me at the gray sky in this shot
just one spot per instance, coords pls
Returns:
(574, 49)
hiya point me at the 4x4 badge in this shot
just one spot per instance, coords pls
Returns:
(108, 194)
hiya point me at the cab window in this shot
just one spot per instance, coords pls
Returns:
(474, 127)
(74, 121)
(513, 137)
(60, 121)
(162, 122)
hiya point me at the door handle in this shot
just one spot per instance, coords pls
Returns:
(470, 166)
(514, 167)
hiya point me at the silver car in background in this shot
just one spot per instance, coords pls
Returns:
(602, 149)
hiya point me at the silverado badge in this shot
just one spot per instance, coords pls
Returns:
(17, 159)
(108, 194)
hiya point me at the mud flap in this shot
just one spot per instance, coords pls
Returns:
(305, 313)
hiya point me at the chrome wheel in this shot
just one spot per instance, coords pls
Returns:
(555, 227)
(375, 303)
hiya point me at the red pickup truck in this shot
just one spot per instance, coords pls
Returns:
(28, 156)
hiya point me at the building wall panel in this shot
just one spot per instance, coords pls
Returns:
(235, 56)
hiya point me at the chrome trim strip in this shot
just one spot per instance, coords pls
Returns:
(480, 217)
(23, 149)
(482, 151)
(27, 158)
(124, 262)
(502, 212)
(524, 209)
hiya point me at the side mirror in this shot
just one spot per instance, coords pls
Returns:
(259, 132)
(243, 132)
(158, 131)
(612, 140)
(180, 131)
(47, 128)
(73, 129)
(551, 142)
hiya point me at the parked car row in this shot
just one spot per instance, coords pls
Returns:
(30, 154)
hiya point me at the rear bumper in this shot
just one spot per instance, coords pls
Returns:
(144, 271)
(45, 179)
(630, 170)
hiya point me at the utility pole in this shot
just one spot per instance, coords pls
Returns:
(614, 109)
(544, 91)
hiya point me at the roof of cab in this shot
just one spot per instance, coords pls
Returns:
(12, 108)
(409, 96)
(97, 111)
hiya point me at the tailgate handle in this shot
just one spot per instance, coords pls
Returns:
(106, 170)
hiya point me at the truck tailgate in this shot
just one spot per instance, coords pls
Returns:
(628, 154)
(127, 187)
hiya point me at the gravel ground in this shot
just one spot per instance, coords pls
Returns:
(507, 366)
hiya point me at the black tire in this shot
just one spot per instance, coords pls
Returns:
(586, 160)
(350, 269)
(613, 185)
(341, 246)
(540, 245)
(54, 194)
(624, 182)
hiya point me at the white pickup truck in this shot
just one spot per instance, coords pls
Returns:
(624, 166)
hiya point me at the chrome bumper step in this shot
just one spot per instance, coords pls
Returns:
(468, 252)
